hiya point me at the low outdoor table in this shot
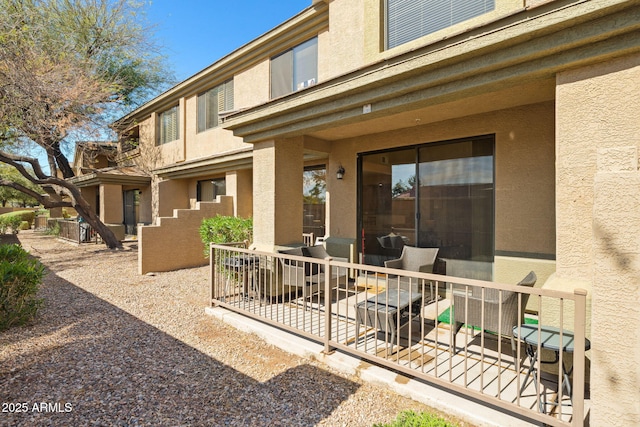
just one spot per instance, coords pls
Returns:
(547, 338)
(242, 264)
(389, 310)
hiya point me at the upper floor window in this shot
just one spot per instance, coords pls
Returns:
(169, 129)
(295, 69)
(212, 103)
(410, 19)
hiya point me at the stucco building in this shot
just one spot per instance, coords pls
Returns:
(504, 132)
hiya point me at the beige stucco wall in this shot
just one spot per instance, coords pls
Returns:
(251, 86)
(211, 141)
(277, 193)
(524, 174)
(240, 187)
(171, 194)
(89, 194)
(341, 49)
(598, 194)
(111, 204)
(175, 243)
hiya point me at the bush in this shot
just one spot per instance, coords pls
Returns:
(13, 220)
(10, 222)
(20, 277)
(24, 225)
(225, 229)
(54, 230)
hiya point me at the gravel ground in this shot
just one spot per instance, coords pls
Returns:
(113, 348)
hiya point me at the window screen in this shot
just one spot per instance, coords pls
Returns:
(410, 19)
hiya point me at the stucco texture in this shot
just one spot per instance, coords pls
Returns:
(598, 194)
(524, 174)
(175, 242)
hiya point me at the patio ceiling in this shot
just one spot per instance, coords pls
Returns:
(506, 63)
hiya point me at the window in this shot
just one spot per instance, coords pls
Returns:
(314, 199)
(209, 189)
(410, 19)
(169, 125)
(436, 195)
(212, 103)
(295, 69)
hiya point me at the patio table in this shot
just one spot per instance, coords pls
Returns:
(548, 337)
(389, 310)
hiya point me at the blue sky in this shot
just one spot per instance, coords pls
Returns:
(194, 36)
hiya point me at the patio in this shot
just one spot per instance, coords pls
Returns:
(408, 340)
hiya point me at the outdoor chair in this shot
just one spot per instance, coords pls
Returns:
(467, 309)
(414, 259)
(308, 276)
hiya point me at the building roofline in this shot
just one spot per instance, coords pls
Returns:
(525, 45)
(300, 27)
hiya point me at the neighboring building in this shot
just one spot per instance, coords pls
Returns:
(118, 189)
(503, 132)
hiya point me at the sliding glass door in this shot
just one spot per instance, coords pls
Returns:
(434, 195)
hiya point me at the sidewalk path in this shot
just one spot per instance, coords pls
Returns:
(112, 347)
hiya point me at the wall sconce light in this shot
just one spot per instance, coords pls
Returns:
(340, 172)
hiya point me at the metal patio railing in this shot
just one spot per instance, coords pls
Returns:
(406, 321)
(77, 232)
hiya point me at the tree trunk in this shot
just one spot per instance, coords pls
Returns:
(77, 200)
(61, 161)
(85, 211)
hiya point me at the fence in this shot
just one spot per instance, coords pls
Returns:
(77, 232)
(409, 322)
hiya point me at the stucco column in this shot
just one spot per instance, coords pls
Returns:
(598, 220)
(277, 193)
(240, 186)
(111, 204)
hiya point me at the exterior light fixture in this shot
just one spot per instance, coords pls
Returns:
(340, 172)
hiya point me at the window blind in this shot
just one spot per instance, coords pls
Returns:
(410, 19)
(169, 127)
(212, 102)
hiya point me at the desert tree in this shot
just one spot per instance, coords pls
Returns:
(68, 68)
(9, 194)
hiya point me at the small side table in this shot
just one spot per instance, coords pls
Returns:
(389, 310)
(548, 338)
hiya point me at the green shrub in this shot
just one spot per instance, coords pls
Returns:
(20, 277)
(13, 220)
(53, 231)
(414, 419)
(10, 222)
(225, 229)
(24, 225)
